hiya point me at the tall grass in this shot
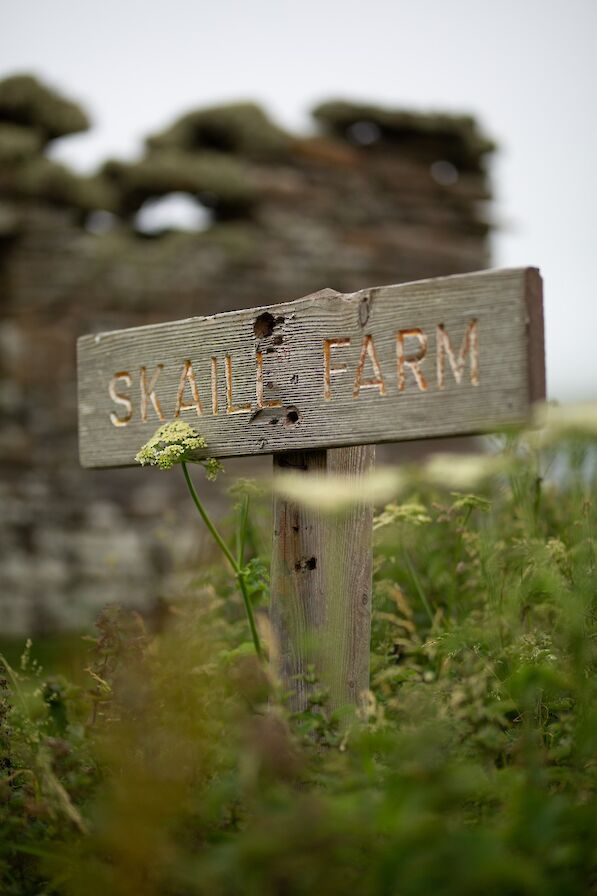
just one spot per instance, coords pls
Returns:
(469, 768)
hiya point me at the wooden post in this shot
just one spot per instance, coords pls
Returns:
(321, 585)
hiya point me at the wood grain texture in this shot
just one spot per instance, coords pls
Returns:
(505, 304)
(321, 572)
(535, 335)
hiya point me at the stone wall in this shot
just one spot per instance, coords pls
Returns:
(373, 196)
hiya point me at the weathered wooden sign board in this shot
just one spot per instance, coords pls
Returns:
(454, 355)
(450, 356)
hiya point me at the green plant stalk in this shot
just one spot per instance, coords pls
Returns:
(238, 572)
(242, 530)
(15, 683)
(590, 542)
(417, 583)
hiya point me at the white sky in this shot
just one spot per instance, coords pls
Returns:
(526, 68)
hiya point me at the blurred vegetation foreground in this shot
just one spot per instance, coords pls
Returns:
(174, 767)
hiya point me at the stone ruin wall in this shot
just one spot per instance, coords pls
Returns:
(373, 196)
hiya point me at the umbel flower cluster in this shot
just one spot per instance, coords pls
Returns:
(176, 443)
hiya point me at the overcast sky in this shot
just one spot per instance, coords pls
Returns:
(526, 68)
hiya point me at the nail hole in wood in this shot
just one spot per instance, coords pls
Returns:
(364, 309)
(303, 565)
(264, 325)
(292, 417)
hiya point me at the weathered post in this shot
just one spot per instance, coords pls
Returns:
(321, 582)
(313, 382)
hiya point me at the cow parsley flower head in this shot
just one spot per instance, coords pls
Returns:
(172, 444)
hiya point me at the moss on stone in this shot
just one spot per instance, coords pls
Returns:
(18, 143)
(10, 220)
(215, 179)
(456, 138)
(42, 178)
(26, 101)
(239, 128)
(239, 240)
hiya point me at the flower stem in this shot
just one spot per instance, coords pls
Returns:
(417, 583)
(236, 567)
(242, 529)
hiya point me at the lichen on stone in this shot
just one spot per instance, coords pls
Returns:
(26, 101)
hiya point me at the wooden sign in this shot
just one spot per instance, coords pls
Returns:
(449, 356)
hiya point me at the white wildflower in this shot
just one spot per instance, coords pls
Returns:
(333, 493)
(172, 444)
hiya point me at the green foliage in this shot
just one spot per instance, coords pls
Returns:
(469, 768)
